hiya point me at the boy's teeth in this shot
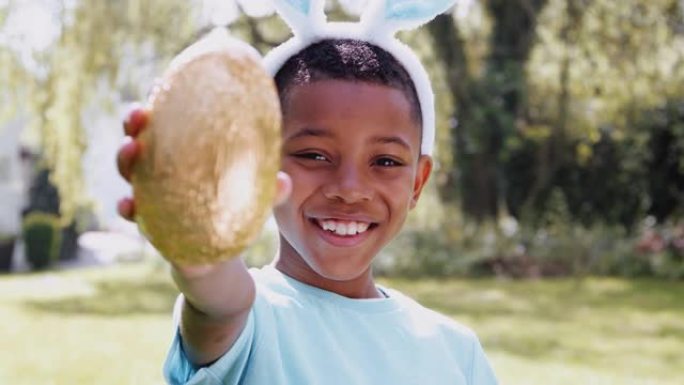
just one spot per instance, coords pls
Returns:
(341, 229)
(344, 228)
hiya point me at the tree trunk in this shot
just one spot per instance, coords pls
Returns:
(489, 108)
(551, 153)
(450, 51)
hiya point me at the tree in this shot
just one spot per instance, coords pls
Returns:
(488, 106)
(555, 77)
(91, 47)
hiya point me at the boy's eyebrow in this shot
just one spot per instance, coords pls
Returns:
(308, 131)
(390, 140)
(317, 132)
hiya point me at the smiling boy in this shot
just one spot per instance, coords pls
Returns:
(353, 166)
(352, 150)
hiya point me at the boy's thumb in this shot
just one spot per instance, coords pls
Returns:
(283, 188)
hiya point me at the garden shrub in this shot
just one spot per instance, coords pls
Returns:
(42, 239)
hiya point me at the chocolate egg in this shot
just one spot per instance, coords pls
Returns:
(205, 180)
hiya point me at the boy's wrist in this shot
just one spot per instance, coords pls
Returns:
(191, 272)
(215, 290)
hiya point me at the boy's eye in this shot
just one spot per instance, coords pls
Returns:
(387, 162)
(311, 156)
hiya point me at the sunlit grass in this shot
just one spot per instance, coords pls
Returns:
(95, 326)
(592, 331)
(113, 325)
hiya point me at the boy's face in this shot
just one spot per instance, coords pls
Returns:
(352, 150)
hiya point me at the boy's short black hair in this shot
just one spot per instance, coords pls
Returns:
(346, 59)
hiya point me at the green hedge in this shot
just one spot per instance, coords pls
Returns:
(42, 239)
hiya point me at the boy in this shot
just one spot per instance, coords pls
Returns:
(352, 168)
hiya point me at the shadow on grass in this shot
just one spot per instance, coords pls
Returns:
(115, 297)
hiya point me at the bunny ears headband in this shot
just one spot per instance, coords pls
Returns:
(379, 22)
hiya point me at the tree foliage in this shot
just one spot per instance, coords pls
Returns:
(93, 41)
(548, 95)
(558, 81)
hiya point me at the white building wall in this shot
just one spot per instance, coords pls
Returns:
(12, 194)
(105, 186)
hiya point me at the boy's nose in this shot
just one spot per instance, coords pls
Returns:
(349, 186)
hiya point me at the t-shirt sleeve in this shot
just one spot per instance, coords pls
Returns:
(481, 372)
(227, 370)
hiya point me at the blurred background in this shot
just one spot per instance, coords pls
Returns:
(553, 224)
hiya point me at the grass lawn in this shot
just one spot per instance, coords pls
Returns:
(112, 326)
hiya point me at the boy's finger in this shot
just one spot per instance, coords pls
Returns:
(283, 188)
(126, 208)
(126, 157)
(135, 120)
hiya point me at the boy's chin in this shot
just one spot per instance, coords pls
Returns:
(340, 271)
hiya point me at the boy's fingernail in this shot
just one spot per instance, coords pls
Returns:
(135, 120)
(125, 208)
(128, 152)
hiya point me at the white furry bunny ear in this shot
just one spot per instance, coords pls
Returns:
(386, 17)
(306, 18)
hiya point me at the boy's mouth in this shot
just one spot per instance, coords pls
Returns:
(343, 228)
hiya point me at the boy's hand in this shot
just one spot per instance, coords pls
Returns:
(133, 125)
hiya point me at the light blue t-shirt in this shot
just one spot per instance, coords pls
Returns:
(297, 334)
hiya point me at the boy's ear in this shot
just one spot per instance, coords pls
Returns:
(421, 178)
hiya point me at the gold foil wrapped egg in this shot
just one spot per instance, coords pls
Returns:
(205, 180)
